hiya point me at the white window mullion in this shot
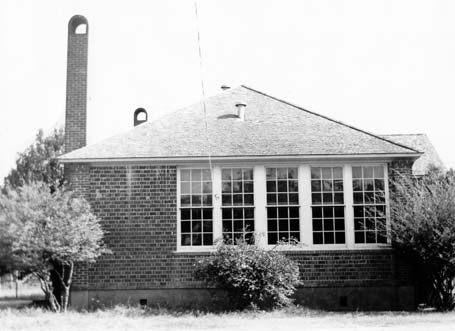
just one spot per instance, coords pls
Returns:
(348, 201)
(260, 202)
(387, 208)
(306, 224)
(217, 222)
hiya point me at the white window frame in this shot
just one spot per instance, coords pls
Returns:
(305, 205)
(387, 209)
(342, 166)
(299, 205)
(243, 206)
(180, 247)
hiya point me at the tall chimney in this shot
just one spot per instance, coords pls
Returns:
(76, 84)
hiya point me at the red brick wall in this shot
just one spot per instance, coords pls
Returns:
(137, 205)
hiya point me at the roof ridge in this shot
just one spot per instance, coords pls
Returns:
(331, 119)
(404, 134)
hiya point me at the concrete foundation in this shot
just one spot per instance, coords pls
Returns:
(329, 298)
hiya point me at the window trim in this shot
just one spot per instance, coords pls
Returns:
(180, 247)
(243, 206)
(305, 204)
(387, 209)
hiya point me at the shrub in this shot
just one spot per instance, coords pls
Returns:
(423, 227)
(250, 275)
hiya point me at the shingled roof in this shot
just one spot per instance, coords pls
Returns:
(420, 142)
(271, 127)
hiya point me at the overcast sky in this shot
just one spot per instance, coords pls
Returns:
(383, 66)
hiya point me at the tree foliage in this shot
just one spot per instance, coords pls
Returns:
(423, 227)
(251, 276)
(45, 234)
(38, 163)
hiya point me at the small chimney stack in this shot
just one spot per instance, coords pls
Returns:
(241, 111)
(140, 116)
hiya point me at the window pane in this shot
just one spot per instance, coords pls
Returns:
(340, 238)
(356, 172)
(378, 172)
(317, 238)
(185, 200)
(207, 175)
(196, 175)
(315, 173)
(185, 188)
(293, 186)
(292, 173)
(357, 185)
(185, 175)
(185, 214)
(282, 186)
(326, 173)
(271, 173)
(367, 172)
(248, 187)
(338, 173)
(186, 226)
(247, 174)
(207, 187)
(226, 174)
(248, 199)
(237, 174)
(282, 173)
(317, 198)
(317, 225)
(316, 186)
(271, 186)
(186, 239)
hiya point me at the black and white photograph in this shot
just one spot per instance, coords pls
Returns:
(227, 165)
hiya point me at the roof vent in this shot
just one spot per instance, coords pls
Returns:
(225, 87)
(140, 116)
(241, 111)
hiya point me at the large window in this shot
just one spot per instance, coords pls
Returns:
(327, 205)
(196, 211)
(237, 204)
(369, 205)
(282, 205)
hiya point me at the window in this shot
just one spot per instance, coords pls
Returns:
(282, 205)
(237, 204)
(369, 205)
(196, 211)
(327, 205)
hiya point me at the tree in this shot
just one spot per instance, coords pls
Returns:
(45, 234)
(38, 163)
(251, 276)
(423, 227)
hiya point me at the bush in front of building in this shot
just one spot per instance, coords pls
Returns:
(423, 228)
(251, 276)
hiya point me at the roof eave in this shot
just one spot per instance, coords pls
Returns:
(190, 159)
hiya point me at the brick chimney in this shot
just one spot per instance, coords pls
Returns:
(76, 84)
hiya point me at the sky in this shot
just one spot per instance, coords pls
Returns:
(382, 66)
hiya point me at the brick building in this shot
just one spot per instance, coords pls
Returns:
(238, 163)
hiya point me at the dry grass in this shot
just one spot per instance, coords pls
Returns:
(123, 318)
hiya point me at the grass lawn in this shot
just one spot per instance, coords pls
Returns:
(122, 318)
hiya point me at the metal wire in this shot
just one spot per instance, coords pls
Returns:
(208, 147)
